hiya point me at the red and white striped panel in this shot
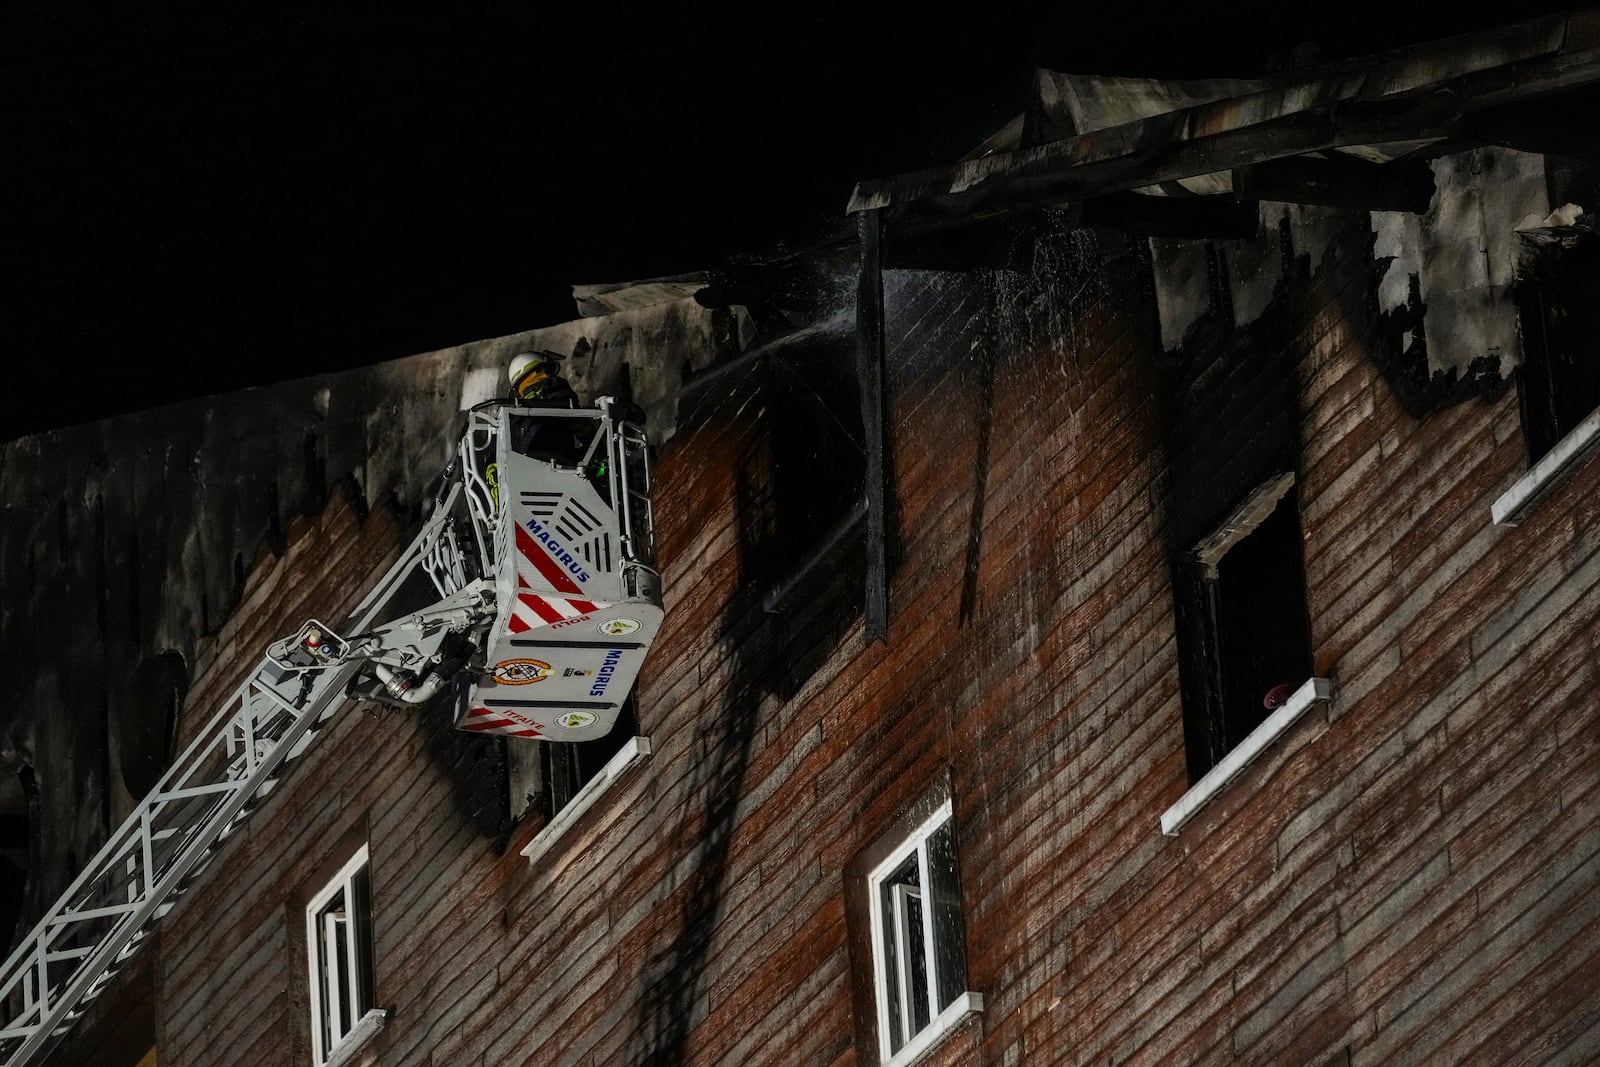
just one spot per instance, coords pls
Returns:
(484, 721)
(548, 568)
(533, 610)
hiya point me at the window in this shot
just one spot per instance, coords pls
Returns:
(918, 959)
(560, 780)
(1243, 624)
(339, 947)
(1559, 381)
(565, 767)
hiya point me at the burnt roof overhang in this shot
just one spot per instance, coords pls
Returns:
(1312, 135)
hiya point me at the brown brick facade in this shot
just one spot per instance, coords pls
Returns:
(1408, 876)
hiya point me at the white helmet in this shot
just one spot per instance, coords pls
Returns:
(520, 364)
(523, 363)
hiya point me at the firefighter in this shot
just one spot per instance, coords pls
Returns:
(536, 382)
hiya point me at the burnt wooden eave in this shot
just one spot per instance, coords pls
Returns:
(1423, 101)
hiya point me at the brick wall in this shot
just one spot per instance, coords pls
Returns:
(1407, 876)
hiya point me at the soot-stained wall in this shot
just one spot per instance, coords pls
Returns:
(1405, 875)
(127, 545)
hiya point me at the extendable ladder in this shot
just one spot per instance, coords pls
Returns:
(135, 879)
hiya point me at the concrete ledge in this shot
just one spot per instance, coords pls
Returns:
(964, 1005)
(1559, 464)
(1243, 754)
(635, 750)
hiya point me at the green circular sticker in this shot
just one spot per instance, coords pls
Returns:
(619, 627)
(576, 720)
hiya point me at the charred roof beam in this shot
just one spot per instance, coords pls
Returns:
(870, 359)
(1403, 102)
(1152, 151)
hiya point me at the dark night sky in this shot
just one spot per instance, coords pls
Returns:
(200, 200)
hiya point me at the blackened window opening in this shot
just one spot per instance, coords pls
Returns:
(1258, 635)
(800, 507)
(1559, 315)
(1265, 634)
(567, 766)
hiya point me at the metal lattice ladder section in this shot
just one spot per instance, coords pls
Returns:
(159, 850)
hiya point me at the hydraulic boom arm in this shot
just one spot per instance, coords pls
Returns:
(543, 527)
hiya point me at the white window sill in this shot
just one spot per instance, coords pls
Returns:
(359, 1035)
(1243, 754)
(964, 1005)
(1557, 465)
(634, 751)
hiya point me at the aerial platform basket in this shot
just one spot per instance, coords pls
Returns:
(563, 496)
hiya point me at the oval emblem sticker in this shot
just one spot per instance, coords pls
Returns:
(619, 627)
(521, 671)
(576, 720)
